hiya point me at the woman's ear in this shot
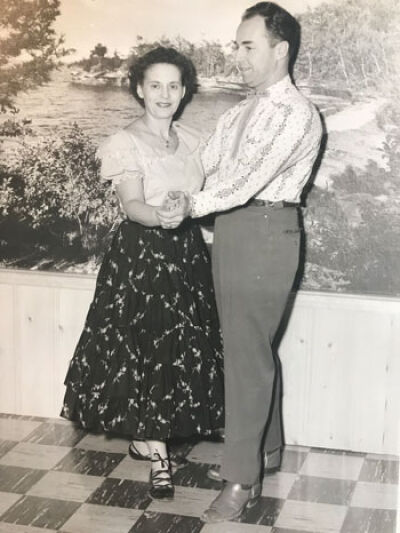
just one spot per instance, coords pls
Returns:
(183, 92)
(139, 90)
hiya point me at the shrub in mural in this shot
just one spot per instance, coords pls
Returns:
(52, 192)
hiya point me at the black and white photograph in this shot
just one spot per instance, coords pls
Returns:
(199, 266)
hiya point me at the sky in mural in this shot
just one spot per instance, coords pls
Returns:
(117, 24)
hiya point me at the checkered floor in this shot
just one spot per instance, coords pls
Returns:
(55, 477)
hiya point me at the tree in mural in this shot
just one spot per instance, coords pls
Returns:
(99, 50)
(352, 43)
(29, 51)
(29, 46)
(208, 57)
(98, 60)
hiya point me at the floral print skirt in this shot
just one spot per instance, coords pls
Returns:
(149, 361)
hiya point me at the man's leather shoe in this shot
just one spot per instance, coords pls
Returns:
(272, 464)
(233, 499)
(272, 461)
(214, 473)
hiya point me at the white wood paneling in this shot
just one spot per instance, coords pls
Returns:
(35, 321)
(391, 435)
(8, 357)
(341, 386)
(340, 357)
(72, 309)
(295, 353)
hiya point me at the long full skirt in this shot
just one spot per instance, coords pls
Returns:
(149, 361)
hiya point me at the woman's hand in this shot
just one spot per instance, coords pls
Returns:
(173, 210)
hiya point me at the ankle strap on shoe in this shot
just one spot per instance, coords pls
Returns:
(163, 460)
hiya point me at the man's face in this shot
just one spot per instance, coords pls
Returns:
(256, 54)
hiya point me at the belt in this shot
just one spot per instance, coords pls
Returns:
(256, 202)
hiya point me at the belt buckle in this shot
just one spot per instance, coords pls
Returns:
(256, 202)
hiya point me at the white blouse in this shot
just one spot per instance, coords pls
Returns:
(125, 156)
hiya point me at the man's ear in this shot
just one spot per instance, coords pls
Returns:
(282, 49)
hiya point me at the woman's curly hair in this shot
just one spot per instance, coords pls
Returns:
(168, 56)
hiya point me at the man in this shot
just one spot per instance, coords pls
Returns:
(256, 163)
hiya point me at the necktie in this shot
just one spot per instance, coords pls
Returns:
(253, 100)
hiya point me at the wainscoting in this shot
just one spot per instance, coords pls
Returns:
(340, 356)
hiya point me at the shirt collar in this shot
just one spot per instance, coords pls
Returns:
(276, 89)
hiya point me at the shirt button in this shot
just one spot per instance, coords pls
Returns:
(265, 216)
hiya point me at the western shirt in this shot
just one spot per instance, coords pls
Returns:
(264, 147)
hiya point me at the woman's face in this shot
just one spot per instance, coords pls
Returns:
(162, 90)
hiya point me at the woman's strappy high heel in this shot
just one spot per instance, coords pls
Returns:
(136, 454)
(176, 463)
(161, 481)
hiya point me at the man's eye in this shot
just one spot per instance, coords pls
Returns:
(154, 85)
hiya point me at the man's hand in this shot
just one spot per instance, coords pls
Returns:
(173, 210)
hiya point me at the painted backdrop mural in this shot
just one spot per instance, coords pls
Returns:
(56, 215)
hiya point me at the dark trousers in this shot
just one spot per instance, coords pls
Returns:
(255, 259)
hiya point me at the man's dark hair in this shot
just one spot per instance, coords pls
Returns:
(280, 24)
(169, 56)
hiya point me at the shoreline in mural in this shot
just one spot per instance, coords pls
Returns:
(352, 211)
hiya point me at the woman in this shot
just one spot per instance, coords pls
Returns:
(148, 363)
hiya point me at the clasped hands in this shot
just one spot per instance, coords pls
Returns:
(173, 210)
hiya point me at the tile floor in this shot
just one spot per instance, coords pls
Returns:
(55, 477)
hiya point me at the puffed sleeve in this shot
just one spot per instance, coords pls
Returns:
(120, 158)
